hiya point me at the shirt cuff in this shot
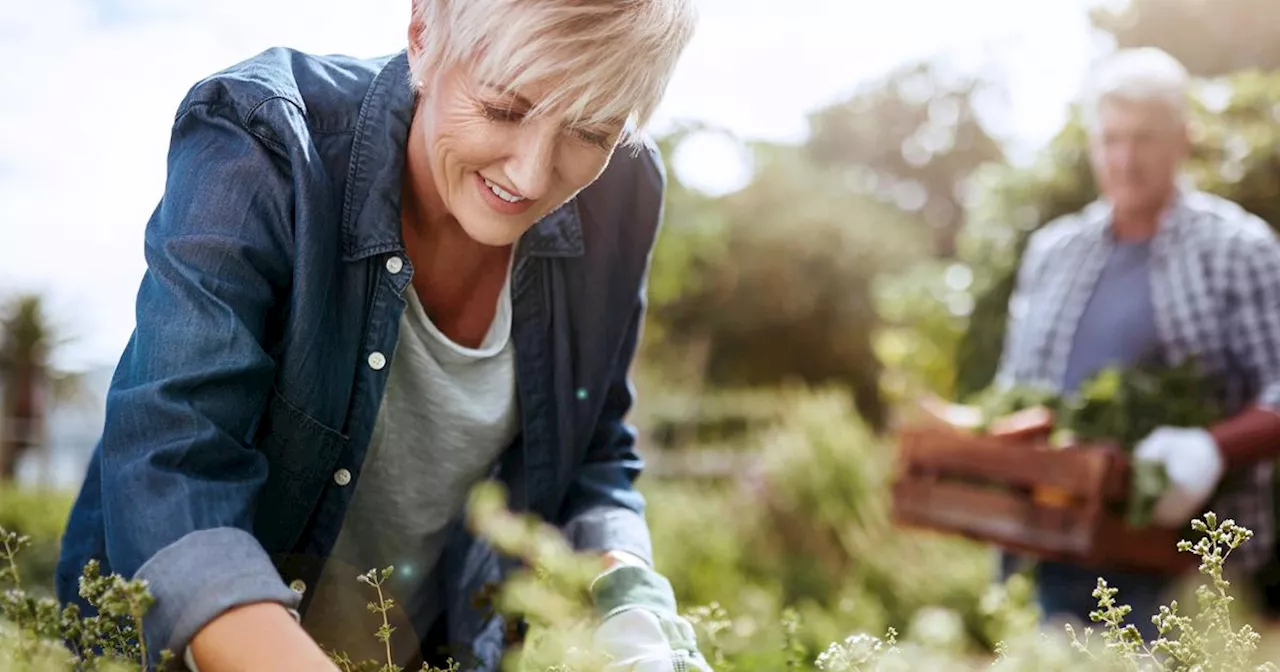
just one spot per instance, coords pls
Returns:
(202, 575)
(611, 529)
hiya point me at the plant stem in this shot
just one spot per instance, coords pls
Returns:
(10, 553)
(382, 609)
(137, 627)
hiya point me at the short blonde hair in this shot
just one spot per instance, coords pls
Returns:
(607, 60)
(1140, 75)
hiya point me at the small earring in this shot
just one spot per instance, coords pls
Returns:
(417, 84)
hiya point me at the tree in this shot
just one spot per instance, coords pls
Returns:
(1210, 38)
(774, 282)
(27, 380)
(913, 134)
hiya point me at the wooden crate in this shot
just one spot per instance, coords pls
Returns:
(1028, 497)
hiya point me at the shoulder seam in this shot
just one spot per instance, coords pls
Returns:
(249, 117)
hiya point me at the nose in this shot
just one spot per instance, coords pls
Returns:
(1127, 157)
(531, 164)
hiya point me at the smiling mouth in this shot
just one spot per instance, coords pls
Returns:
(502, 193)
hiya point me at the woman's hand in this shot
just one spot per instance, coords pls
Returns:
(640, 629)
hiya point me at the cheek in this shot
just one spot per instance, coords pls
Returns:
(581, 165)
(458, 140)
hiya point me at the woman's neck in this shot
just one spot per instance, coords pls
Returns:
(433, 238)
(457, 279)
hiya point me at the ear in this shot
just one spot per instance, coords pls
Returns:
(415, 30)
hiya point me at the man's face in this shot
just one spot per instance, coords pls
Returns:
(1136, 149)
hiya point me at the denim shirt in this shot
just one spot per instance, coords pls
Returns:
(240, 413)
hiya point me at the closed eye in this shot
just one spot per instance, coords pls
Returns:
(504, 115)
(596, 138)
(507, 115)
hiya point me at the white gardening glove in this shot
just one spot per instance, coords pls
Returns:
(1194, 464)
(640, 629)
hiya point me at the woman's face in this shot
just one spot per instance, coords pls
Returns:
(492, 169)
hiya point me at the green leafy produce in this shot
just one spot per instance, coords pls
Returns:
(1125, 405)
(996, 403)
(1121, 405)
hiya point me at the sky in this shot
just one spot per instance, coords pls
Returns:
(90, 88)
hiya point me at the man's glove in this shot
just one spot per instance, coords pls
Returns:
(1194, 464)
(639, 627)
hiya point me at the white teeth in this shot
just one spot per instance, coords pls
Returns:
(503, 193)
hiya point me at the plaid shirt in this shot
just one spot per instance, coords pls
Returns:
(1215, 288)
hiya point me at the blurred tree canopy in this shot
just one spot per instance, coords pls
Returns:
(913, 136)
(1210, 38)
(773, 283)
(778, 282)
(1236, 155)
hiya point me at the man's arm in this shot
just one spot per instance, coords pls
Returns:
(1248, 438)
(1195, 458)
(179, 476)
(1253, 336)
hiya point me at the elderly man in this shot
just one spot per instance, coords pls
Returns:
(1156, 267)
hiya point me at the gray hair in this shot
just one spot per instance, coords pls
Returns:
(1140, 75)
(610, 60)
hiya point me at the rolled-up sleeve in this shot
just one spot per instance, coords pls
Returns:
(1254, 319)
(604, 511)
(179, 476)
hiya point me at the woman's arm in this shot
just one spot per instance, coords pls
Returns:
(179, 474)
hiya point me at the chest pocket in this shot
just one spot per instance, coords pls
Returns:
(301, 455)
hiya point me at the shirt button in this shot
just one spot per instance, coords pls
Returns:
(297, 586)
(377, 360)
(394, 265)
(342, 477)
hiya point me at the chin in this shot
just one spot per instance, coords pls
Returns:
(491, 231)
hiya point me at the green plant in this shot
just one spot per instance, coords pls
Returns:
(107, 639)
(550, 594)
(39, 515)
(1206, 641)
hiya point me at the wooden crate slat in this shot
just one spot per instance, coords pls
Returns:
(1002, 518)
(994, 491)
(1148, 549)
(1077, 472)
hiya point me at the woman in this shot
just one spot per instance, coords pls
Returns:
(371, 284)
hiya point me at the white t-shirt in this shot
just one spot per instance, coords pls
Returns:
(448, 413)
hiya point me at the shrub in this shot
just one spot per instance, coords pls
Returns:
(551, 594)
(38, 515)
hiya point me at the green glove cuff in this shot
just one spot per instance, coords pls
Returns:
(628, 587)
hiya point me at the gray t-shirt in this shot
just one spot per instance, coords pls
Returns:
(1118, 327)
(447, 414)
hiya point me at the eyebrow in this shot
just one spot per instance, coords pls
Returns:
(521, 101)
(502, 90)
